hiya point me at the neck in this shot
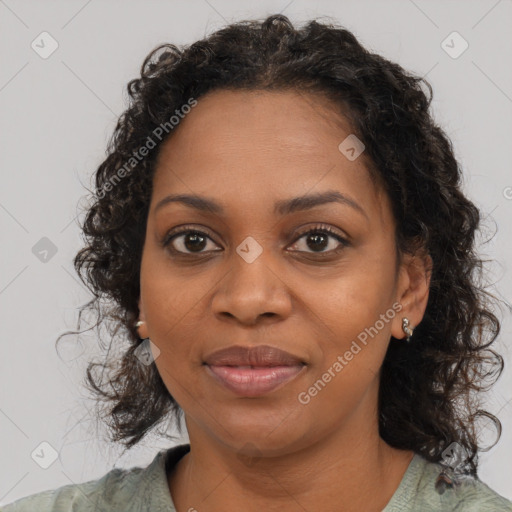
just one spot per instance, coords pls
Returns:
(351, 470)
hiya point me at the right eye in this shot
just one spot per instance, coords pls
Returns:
(187, 241)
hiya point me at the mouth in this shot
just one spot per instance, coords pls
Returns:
(253, 371)
(251, 381)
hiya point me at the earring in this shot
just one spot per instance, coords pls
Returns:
(408, 330)
(137, 325)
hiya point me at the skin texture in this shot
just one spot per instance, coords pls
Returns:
(247, 150)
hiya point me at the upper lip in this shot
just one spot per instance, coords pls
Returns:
(260, 355)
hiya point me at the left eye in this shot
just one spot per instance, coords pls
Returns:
(319, 237)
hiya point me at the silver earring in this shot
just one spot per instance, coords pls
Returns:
(139, 323)
(408, 330)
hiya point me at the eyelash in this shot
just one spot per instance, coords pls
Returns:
(172, 235)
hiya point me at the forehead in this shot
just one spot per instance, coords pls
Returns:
(263, 146)
(250, 121)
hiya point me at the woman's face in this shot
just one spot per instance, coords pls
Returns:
(254, 277)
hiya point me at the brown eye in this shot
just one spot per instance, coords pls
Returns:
(320, 240)
(188, 241)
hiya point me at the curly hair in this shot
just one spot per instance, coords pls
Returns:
(430, 389)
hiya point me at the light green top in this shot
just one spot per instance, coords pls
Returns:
(146, 490)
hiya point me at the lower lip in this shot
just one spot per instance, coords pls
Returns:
(254, 381)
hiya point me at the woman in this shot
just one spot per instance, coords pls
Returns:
(281, 229)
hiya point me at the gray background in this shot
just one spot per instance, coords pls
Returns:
(57, 114)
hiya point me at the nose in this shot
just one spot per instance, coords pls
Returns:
(252, 290)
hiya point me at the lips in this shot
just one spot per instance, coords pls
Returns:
(261, 355)
(253, 371)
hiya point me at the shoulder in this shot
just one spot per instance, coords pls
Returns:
(80, 497)
(418, 491)
(119, 490)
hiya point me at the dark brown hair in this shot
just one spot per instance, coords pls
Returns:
(429, 387)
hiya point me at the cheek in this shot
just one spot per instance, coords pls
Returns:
(172, 298)
(172, 309)
(352, 341)
(352, 299)
(352, 318)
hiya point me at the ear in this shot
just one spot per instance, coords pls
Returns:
(143, 329)
(412, 291)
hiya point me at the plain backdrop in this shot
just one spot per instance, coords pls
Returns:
(57, 114)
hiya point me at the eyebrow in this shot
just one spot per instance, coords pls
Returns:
(281, 207)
